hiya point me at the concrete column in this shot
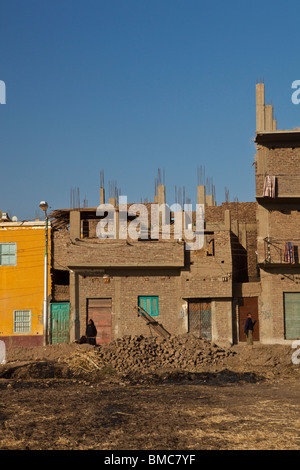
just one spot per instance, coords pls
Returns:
(201, 195)
(117, 216)
(74, 307)
(102, 196)
(268, 117)
(260, 106)
(227, 219)
(161, 194)
(243, 234)
(161, 200)
(75, 226)
(209, 200)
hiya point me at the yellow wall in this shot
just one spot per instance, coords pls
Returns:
(22, 286)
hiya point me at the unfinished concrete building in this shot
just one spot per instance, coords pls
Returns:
(201, 291)
(277, 178)
(249, 261)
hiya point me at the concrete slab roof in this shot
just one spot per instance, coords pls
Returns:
(266, 137)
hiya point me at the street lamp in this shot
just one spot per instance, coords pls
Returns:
(44, 207)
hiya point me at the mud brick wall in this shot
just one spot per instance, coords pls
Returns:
(222, 326)
(60, 293)
(251, 255)
(60, 244)
(124, 289)
(241, 211)
(271, 302)
(282, 223)
(282, 162)
(205, 275)
(104, 253)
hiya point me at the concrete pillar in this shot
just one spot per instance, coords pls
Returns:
(227, 219)
(102, 196)
(75, 226)
(260, 106)
(274, 124)
(243, 234)
(161, 194)
(74, 307)
(201, 195)
(209, 200)
(161, 200)
(268, 117)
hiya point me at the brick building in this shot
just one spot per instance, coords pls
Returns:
(277, 179)
(249, 261)
(195, 291)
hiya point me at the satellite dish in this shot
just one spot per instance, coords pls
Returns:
(14, 218)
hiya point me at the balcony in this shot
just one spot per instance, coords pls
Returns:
(278, 252)
(278, 188)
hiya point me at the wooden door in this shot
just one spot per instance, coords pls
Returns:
(200, 318)
(99, 310)
(248, 305)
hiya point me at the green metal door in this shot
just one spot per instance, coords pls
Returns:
(59, 322)
(292, 315)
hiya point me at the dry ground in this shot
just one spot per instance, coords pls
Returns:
(249, 400)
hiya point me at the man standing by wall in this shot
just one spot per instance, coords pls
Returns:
(249, 324)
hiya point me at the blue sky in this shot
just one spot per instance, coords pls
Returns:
(135, 85)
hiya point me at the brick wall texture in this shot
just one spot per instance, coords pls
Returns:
(278, 220)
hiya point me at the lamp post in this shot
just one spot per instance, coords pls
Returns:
(44, 207)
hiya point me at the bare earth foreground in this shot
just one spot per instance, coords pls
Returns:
(150, 394)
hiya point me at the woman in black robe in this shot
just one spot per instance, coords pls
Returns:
(91, 333)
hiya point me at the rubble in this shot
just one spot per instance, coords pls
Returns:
(139, 353)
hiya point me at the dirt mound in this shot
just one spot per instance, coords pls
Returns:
(51, 352)
(36, 370)
(153, 359)
(184, 352)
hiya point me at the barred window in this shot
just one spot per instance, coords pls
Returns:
(22, 321)
(8, 254)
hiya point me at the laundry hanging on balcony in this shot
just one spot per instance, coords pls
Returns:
(289, 253)
(269, 186)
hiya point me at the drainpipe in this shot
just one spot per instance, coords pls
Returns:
(44, 207)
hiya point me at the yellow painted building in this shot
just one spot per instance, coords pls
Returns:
(22, 256)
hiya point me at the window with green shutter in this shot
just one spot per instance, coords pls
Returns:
(150, 305)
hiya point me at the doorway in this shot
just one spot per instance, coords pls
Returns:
(199, 318)
(248, 305)
(100, 311)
